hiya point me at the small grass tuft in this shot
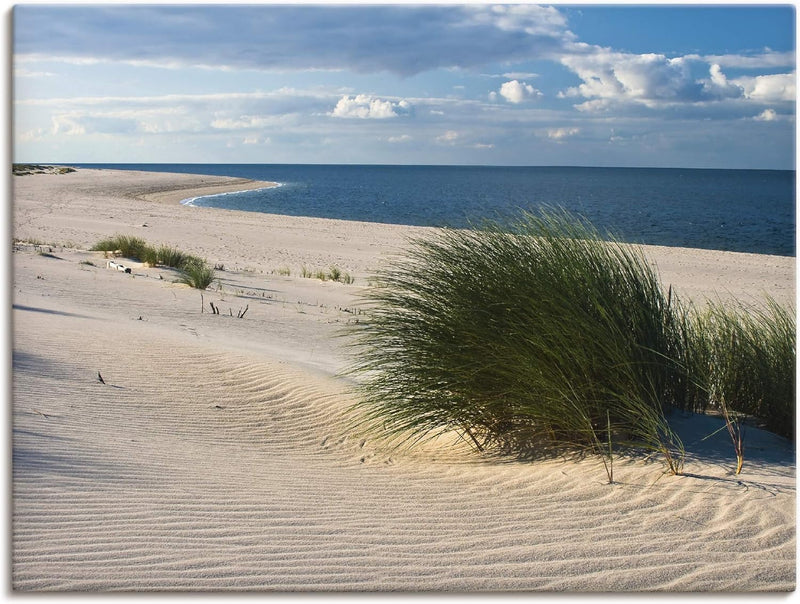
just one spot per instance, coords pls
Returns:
(197, 274)
(127, 246)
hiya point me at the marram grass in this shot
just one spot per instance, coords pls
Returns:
(194, 271)
(196, 274)
(743, 359)
(537, 339)
(547, 337)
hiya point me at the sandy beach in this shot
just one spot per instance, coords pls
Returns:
(216, 453)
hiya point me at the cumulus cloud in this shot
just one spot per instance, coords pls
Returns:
(559, 134)
(768, 115)
(769, 88)
(363, 106)
(403, 138)
(644, 78)
(655, 80)
(718, 85)
(515, 91)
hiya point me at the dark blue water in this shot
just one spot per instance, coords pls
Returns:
(736, 210)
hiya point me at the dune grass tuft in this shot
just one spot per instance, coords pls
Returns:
(743, 359)
(195, 272)
(533, 340)
(545, 337)
(128, 246)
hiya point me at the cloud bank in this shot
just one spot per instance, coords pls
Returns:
(400, 39)
(654, 80)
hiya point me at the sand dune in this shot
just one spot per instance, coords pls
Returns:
(218, 454)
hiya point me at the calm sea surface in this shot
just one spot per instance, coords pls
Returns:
(737, 210)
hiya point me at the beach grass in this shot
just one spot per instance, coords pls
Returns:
(196, 274)
(128, 246)
(743, 360)
(194, 271)
(547, 336)
(533, 339)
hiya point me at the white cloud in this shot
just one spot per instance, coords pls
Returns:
(768, 115)
(531, 19)
(654, 80)
(516, 91)
(769, 88)
(559, 134)
(644, 78)
(718, 85)
(403, 138)
(363, 106)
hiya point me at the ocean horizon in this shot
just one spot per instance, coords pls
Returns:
(721, 209)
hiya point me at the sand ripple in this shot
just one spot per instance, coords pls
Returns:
(201, 468)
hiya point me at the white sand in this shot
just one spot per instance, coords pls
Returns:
(217, 454)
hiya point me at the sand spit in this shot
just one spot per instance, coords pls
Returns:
(216, 453)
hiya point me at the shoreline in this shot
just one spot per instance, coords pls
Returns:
(147, 204)
(249, 185)
(189, 201)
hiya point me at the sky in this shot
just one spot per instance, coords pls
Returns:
(486, 84)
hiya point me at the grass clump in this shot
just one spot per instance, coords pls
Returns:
(743, 361)
(545, 337)
(536, 339)
(173, 258)
(196, 274)
(127, 246)
(334, 274)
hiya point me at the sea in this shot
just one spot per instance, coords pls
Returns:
(734, 210)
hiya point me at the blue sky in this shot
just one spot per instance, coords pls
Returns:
(522, 84)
